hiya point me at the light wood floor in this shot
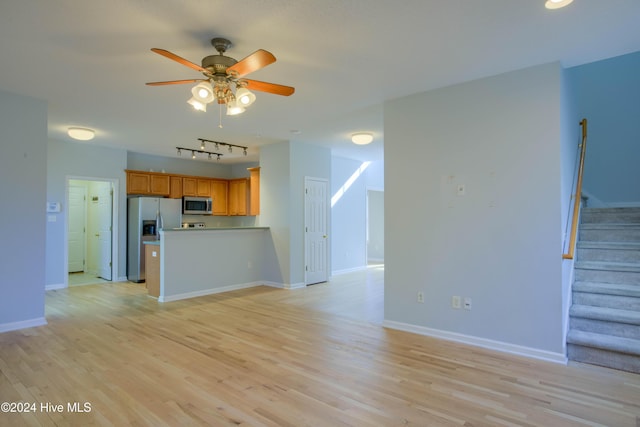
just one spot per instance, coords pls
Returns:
(269, 357)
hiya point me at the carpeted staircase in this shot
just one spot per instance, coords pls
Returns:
(604, 326)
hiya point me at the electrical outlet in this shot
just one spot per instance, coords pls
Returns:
(421, 297)
(455, 302)
(460, 190)
(467, 303)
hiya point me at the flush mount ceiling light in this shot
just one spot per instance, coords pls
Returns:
(557, 4)
(362, 138)
(81, 134)
(224, 81)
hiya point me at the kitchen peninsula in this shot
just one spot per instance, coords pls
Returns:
(202, 261)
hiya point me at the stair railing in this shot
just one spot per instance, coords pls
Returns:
(578, 196)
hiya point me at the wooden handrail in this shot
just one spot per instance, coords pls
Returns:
(578, 196)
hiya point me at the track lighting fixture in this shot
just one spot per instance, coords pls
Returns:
(210, 154)
(194, 152)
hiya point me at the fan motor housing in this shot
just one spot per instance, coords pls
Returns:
(218, 64)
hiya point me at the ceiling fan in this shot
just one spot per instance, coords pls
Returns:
(223, 74)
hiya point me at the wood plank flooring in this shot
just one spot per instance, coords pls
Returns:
(270, 357)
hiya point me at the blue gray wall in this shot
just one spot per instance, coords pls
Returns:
(499, 244)
(608, 95)
(23, 177)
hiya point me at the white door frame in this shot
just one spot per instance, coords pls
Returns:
(366, 241)
(115, 185)
(328, 227)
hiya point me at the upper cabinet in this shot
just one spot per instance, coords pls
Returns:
(194, 186)
(254, 191)
(239, 196)
(219, 194)
(147, 183)
(175, 187)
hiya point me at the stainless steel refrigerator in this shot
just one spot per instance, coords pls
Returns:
(146, 215)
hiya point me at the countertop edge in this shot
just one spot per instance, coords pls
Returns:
(213, 229)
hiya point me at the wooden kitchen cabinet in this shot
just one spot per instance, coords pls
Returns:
(147, 183)
(175, 187)
(238, 196)
(219, 192)
(254, 191)
(203, 187)
(152, 269)
(159, 185)
(193, 186)
(189, 186)
(137, 183)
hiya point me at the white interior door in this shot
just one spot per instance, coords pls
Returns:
(316, 230)
(104, 225)
(77, 228)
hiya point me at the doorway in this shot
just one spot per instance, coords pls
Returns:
(90, 231)
(375, 226)
(316, 227)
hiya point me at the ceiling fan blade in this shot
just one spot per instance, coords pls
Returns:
(179, 59)
(258, 59)
(174, 82)
(269, 87)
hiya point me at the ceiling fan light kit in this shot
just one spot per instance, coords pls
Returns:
(223, 75)
(557, 4)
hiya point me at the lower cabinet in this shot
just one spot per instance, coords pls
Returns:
(152, 269)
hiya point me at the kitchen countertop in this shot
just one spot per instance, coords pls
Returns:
(216, 228)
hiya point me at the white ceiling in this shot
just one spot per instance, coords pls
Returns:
(90, 60)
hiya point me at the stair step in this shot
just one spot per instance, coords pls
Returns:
(604, 327)
(602, 300)
(606, 358)
(609, 232)
(604, 342)
(609, 215)
(607, 289)
(608, 314)
(607, 272)
(627, 252)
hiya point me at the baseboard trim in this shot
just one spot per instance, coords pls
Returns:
(479, 342)
(205, 292)
(31, 323)
(298, 285)
(55, 286)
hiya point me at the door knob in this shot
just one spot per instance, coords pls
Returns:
(97, 234)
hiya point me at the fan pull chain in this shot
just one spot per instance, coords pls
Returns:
(220, 123)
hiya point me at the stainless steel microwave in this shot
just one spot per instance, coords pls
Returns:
(197, 205)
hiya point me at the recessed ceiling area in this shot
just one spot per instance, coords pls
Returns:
(90, 61)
